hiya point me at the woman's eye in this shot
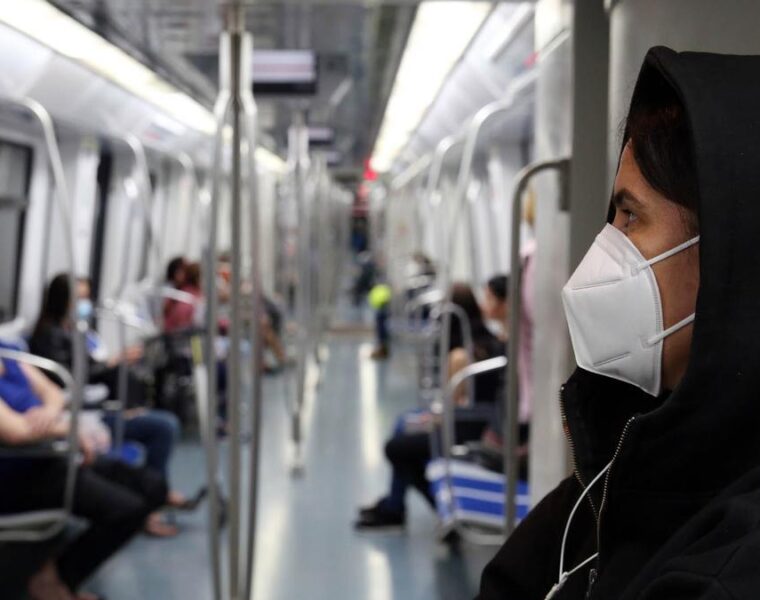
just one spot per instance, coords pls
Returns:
(630, 218)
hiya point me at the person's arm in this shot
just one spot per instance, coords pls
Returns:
(17, 429)
(44, 420)
(49, 394)
(131, 355)
(14, 429)
(458, 360)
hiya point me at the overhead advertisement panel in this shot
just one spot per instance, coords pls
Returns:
(321, 136)
(285, 72)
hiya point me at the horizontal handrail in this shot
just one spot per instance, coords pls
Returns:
(475, 369)
(170, 293)
(41, 363)
(115, 312)
(467, 373)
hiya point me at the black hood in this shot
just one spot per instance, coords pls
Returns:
(679, 512)
(705, 434)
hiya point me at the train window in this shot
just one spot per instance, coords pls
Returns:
(15, 170)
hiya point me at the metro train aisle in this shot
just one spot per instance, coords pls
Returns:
(307, 547)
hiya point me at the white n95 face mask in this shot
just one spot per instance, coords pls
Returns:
(614, 312)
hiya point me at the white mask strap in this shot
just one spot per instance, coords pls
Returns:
(672, 252)
(670, 330)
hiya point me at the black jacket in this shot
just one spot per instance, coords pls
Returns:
(680, 517)
(54, 342)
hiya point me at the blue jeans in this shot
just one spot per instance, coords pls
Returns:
(381, 326)
(156, 430)
(409, 451)
(395, 501)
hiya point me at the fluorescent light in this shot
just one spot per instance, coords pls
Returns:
(441, 32)
(66, 36)
(269, 160)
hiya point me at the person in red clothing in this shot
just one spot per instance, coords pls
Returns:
(178, 314)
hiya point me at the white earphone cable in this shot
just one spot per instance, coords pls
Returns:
(563, 575)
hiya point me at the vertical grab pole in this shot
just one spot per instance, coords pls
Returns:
(431, 186)
(79, 362)
(122, 373)
(484, 115)
(143, 186)
(250, 113)
(510, 425)
(443, 278)
(234, 28)
(299, 148)
(460, 199)
(322, 221)
(221, 112)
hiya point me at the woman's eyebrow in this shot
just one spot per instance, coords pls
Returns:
(625, 197)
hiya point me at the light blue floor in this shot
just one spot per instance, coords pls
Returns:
(306, 547)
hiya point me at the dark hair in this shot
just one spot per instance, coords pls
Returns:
(499, 286)
(193, 274)
(658, 130)
(174, 266)
(55, 304)
(462, 296)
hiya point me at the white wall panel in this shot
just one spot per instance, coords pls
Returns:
(504, 162)
(124, 240)
(80, 155)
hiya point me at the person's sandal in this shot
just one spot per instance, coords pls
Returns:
(156, 527)
(190, 504)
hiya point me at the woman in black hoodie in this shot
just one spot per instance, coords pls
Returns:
(664, 314)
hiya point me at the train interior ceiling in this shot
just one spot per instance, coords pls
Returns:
(246, 234)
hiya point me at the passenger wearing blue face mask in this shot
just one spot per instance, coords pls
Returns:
(664, 318)
(156, 430)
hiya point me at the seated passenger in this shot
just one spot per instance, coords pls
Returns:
(496, 310)
(179, 315)
(419, 273)
(176, 275)
(664, 317)
(271, 320)
(114, 498)
(156, 430)
(408, 450)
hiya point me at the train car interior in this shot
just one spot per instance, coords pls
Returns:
(318, 299)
